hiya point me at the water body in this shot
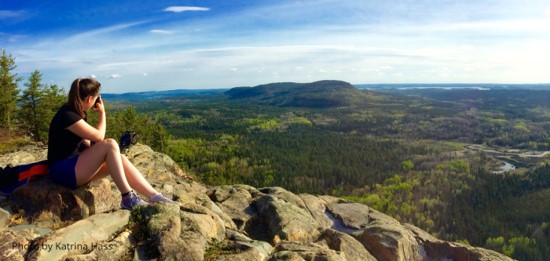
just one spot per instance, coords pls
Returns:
(444, 88)
(506, 166)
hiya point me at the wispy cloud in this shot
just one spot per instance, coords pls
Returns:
(115, 76)
(108, 29)
(179, 9)
(160, 31)
(8, 14)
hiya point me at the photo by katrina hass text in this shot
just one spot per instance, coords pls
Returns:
(64, 246)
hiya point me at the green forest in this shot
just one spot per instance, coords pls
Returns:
(406, 153)
(429, 157)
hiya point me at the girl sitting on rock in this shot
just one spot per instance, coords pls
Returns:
(70, 131)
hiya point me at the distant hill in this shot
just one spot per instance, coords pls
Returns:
(131, 96)
(320, 94)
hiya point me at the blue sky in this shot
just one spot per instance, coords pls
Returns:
(159, 45)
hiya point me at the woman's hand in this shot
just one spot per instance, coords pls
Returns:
(98, 105)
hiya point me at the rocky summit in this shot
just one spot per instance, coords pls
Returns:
(45, 221)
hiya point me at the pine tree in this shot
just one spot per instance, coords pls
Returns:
(53, 98)
(31, 113)
(8, 90)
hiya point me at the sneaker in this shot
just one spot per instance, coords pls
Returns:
(131, 200)
(161, 198)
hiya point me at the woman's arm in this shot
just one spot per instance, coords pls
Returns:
(86, 131)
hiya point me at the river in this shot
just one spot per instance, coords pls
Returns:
(505, 168)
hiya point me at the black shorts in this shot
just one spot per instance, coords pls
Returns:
(64, 171)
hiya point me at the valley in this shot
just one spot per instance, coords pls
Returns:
(430, 157)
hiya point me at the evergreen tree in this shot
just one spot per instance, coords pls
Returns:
(8, 90)
(53, 98)
(31, 113)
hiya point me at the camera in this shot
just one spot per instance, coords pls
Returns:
(97, 101)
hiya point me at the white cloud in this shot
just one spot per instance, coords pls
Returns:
(548, 11)
(105, 30)
(145, 74)
(160, 31)
(93, 76)
(115, 76)
(179, 9)
(7, 14)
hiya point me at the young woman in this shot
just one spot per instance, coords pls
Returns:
(74, 161)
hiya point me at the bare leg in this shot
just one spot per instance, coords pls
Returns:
(133, 176)
(90, 163)
(136, 179)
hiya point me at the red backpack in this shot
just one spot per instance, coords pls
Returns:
(12, 177)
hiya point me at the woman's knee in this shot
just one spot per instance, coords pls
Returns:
(110, 143)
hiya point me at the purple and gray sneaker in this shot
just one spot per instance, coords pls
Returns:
(161, 198)
(132, 200)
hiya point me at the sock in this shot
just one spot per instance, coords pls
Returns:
(126, 194)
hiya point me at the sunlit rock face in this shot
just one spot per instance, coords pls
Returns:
(45, 221)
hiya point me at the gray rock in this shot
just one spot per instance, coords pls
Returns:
(262, 249)
(435, 249)
(5, 218)
(156, 167)
(40, 231)
(24, 155)
(49, 203)
(235, 202)
(285, 195)
(317, 207)
(15, 244)
(286, 221)
(352, 215)
(243, 216)
(306, 251)
(286, 256)
(183, 234)
(246, 254)
(202, 199)
(352, 249)
(389, 241)
(114, 250)
(330, 200)
(81, 237)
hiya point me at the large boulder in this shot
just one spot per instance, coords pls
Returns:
(182, 234)
(238, 246)
(339, 241)
(317, 207)
(235, 201)
(47, 202)
(117, 249)
(287, 221)
(435, 249)
(81, 237)
(16, 241)
(156, 167)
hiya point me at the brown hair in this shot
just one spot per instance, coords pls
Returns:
(80, 89)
